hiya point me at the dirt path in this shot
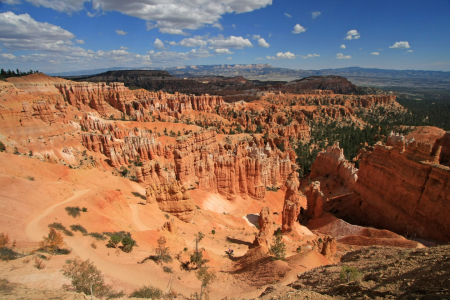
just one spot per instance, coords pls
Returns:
(136, 219)
(35, 232)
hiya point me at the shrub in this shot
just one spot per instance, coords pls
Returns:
(162, 252)
(73, 211)
(52, 242)
(147, 292)
(84, 209)
(128, 244)
(114, 241)
(79, 228)
(278, 248)
(30, 178)
(2, 147)
(213, 231)
(59, 226)
(349, 274)
(98, 236)
(38, 263)
(299, 249)
(167, 216)
(7, 254)
(136, 194)
(4, 240)
(85, 278)
(167, 269)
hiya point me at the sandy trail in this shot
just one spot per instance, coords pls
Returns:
(33, 231)
(136, 219)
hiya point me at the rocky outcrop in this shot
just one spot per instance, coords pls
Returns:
(292, 207)
(328, 247)
(173, 198)
(316, 200)
(333, 162)
(170, 226)
(265, 222)
(44, 111)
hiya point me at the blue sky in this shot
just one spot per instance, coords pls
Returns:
(59, 36)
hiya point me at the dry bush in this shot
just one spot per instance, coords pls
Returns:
(4, 240)
(52, 242)
(38, 263)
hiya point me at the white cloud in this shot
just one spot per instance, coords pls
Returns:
(21, 32)
(121, 32)
(298, 29)
(342, 56)
(89, 14)
(11, 2)
(166, 14)
(262, 43)
(217, 25)
(67, 6)
(255, 36)
(400, 45)
(352, 35)
(79, 41)
(287, 15)
(281, 55)
(7, 56)
(410, 51)
(375, 53)
(315, 14)
(258, 58)
(124, 48)
(229, 58)
(233, 25)
(222, 51)
(310, 56)
(342, 46)
(158, 44)
(191, 42)
(173, 31)
(236, 42)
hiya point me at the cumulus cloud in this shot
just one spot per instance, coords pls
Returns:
(310, 56)
(79, 41)
(191, 42)
(352, 35)
(166, 14)
(217, 25)
(173, 31)
(222, 51)
(21, 32)
(410, 51)
(375, 53)
(121, 32)
(400, 45)
(315, 14)
(158, 44)
(281, 55)
(342, 56)
(298, 29)
(236, 42)
(7, 56)
(67, 6)
(124, 48)
(262, 43)
(287, 15)
(342, 46)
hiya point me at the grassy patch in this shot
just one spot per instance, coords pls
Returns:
(147, 292)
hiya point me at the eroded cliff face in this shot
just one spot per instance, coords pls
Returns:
(403, 186)
(316, 201)
(292, 206)
(173, 198)
(265, 222)
(333, 162)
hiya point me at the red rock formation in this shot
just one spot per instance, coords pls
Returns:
(173, 198)
(403, 188)
(316, 200)
(333, 162)
(170, 226)
(328, 247)
(291, 208)
(44, 111)
(265, 222)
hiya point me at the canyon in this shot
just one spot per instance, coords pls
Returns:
(167, 165)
